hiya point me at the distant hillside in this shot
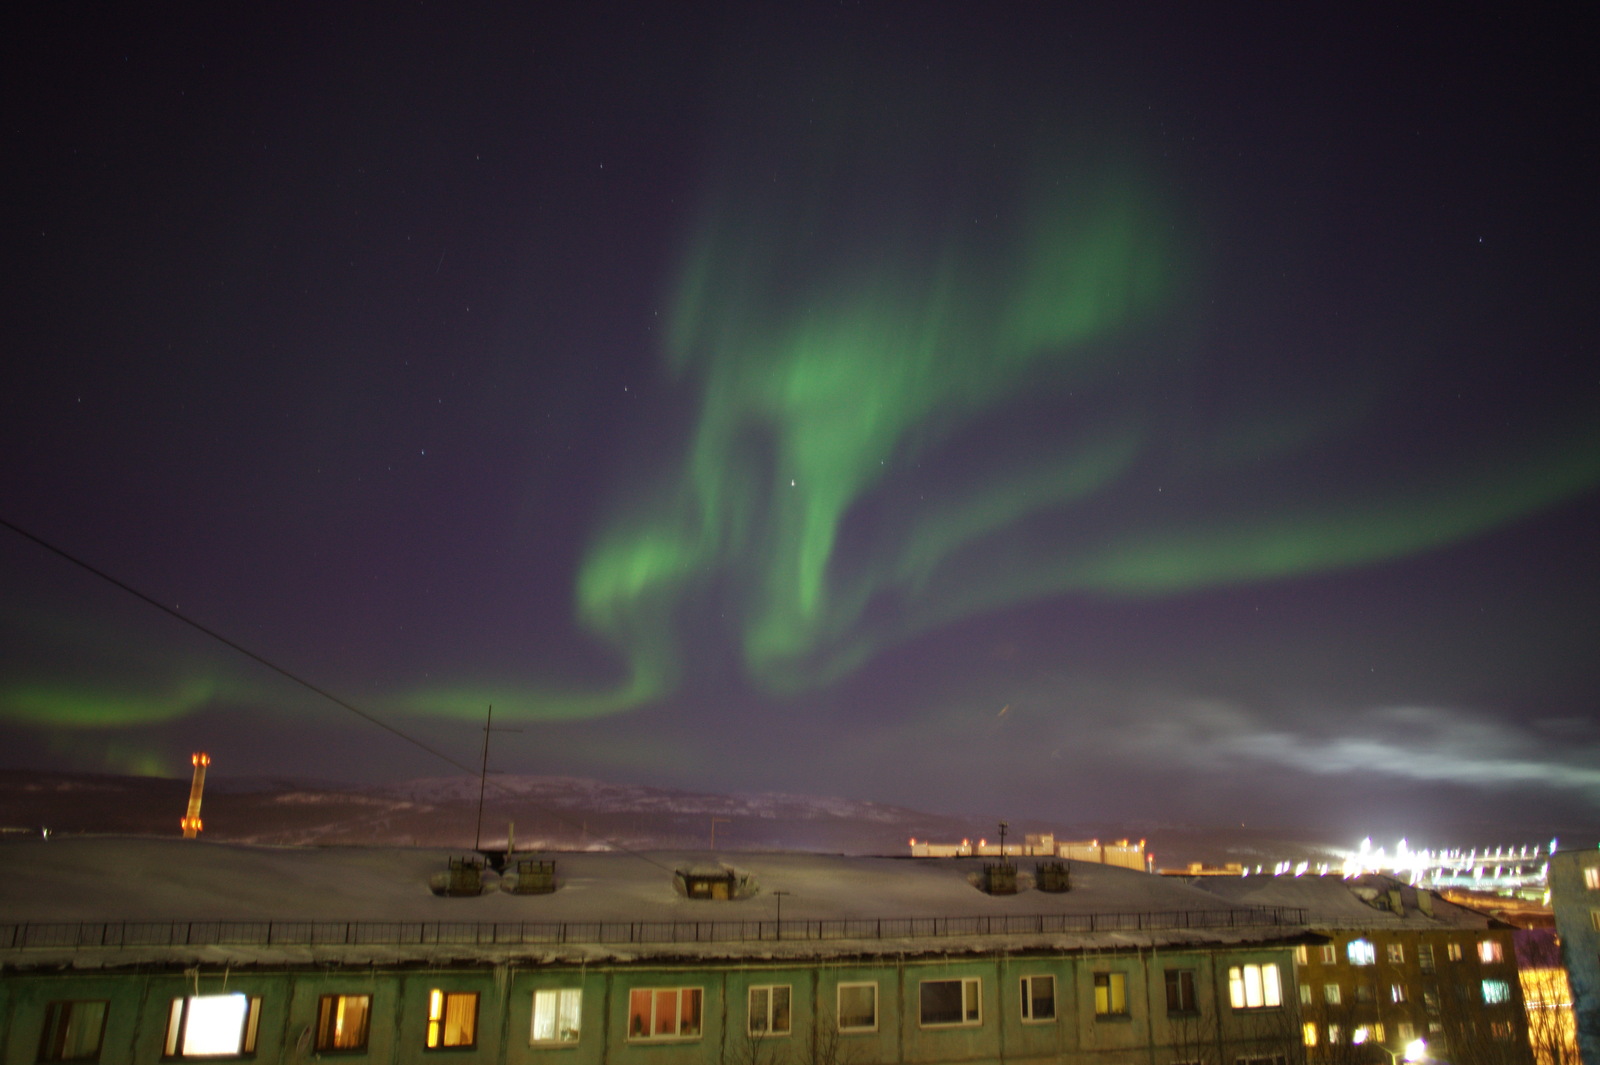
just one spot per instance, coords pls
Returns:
(558, 813)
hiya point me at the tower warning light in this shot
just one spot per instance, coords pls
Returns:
(191, 820)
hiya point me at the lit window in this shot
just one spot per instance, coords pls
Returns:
(557, 1015)
(948, 1002)
(1453, 951)
(1255, 987)
(1302, 954)
(1361, 952)
(769, 1010)
(1594, 919)
(1308, 1033)
(1489, 951)
(1425, 957)
(1591, 877)
(73, 1030)
(1330, 994)
(1430, 999)
(1496, 992)
(858, 1007)
(1110, 994)
(1335, 1034)
(213, 1025)
(664, 1013)
(1501, 1031)
(452, 1019)
(1180, 991)
(1305, 994)
(1396, 953)
(342, 1022)
(1330, 954)
(1360, 1034)
(1377, 1033)
(1038, 998)
(1397, 993)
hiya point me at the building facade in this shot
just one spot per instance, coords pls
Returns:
(1575, 898)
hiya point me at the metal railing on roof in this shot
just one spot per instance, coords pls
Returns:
(88, 935)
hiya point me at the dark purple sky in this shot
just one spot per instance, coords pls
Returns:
(1158, 415)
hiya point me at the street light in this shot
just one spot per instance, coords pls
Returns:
(1415, 1050)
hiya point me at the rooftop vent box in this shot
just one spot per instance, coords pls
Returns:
(1052, 876)
(1000, 878)
(706, 885)
(532, 878)
(463, 879)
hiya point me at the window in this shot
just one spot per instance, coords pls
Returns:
(1397, 993)
(213, 1025)
(1495, 992)
(946, 1002)
(1335, 1035)
(1489, 951)
(1430, 999)
(664, 1013)
(1591, 877)
(1254, 987)
(1038, 998)
(1360, 1034)
(1594, 919)
(858, 1007)
(557, 1015)
(1305, 994)
(73, 1030)
(1361, 952)
(1110, 994)
(452, 1019)
(1406, 1031)
(769, 1010)
(1453, 951)
(1302, 954)
(1501, 1031)
(1363, 992)
(1377, 1032)
(1396, 953)
(1180, 991)
(1425, 957)
(1330, 994)
(1330, 954)
(1308, 1033)
(342, 1022)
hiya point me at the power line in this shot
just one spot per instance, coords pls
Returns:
(295, 677)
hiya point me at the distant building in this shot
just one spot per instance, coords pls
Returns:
(161, 950)
(1399, 964)
(1123, 853)
(1575, 898)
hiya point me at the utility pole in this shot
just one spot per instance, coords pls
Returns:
(483, 773)
(778, 925)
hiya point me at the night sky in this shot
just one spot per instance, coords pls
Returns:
(1166, 413)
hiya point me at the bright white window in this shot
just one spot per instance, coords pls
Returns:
(950, 1002)
(664, 1012)
(1255, 987)
(73, 1030)
(1489, 951)
(1496, 992)
(557, 1015)
(1397, 993)
(342, 1022)
(452, 1019)
(858, 1007)
(1360, 1034)
(1038, 998)
(1361, 952)
(769, 1010)
(213, 1026)
(1335, 1035)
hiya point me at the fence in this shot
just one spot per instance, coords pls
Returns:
(123, 934)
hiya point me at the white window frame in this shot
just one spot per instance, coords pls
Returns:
(677, 1035)
(565, 1003)
(1028, 998)
(1332, 995)
(1261, 982)
(182, 1013)
(838, 1001)
(768, 1010)
(971, 1003)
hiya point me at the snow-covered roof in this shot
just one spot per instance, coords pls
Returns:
(66, 881)
(1334, 902)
